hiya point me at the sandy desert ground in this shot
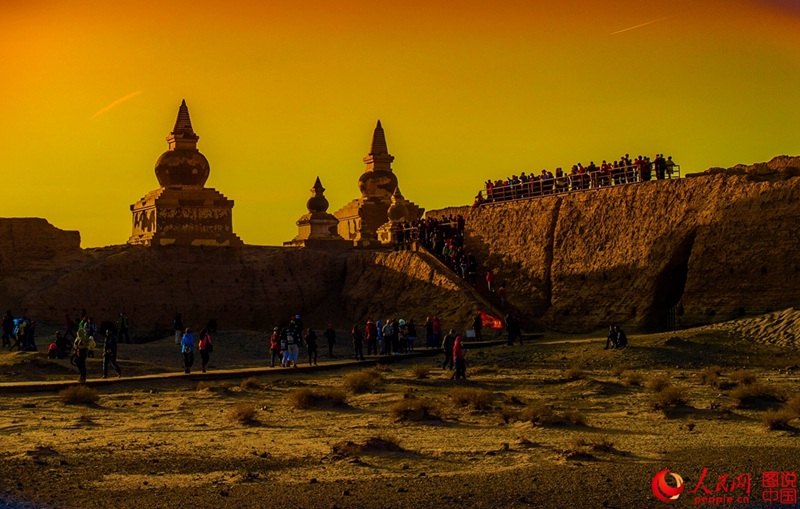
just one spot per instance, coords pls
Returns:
(557, 422)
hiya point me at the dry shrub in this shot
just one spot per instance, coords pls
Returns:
(657, 383)
(243, 413)
(79, 395)
(575, 417)
(477, 399)
(574, 373)
(710, 376)
(416, 409)
(538, 413)
(743, 377)
(668, 398)
(362, 381)
(778, 419)
(793, 405)
(632, 378)
(602, 444)
(420, 371)
(383, 368)
(250, 383)
(580, 444)
(543, 414)
(753, 394)
(306, 397)
(618, 370)
(509, 414)
(208, 386)
(381, 443)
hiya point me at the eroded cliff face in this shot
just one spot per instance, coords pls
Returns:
(694, 250)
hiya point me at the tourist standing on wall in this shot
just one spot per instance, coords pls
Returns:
(275, 347)
(81, 347)
(311, 344)
(187, 349)
(357, 340)
(110, 354)
(330, 335)
(205, 347)
(477, 326)
(177, 325)
(437, 331)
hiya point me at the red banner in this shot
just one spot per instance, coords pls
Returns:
(490, 322)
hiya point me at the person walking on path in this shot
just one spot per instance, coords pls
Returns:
(81, 347)
(371, 333)
(357, 340)
(437, 331)
(293, 344)
(311, 344)
(460, 358)
(490, 280)
(275, 347)
(187, 349)
(477, 326)
(124, 323)
(205, 347)
(330, 335)
(177, 325)
(110, 354)
(447, 348)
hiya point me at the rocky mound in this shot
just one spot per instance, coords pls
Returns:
(779, 168)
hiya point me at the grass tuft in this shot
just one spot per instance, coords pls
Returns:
(362, 381)
(632, 378)
(710, 376)
(743, 377)
(668, 398)
(575, 373)
(420, 371)
(657, 384)
(250, 383)
(306, 397)
(416, 410)
(477, 399)
(754, 394)
(243, 413)
(79, 395)
(778, 419)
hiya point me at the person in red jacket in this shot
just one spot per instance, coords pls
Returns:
(275, 346)
(460, 358)
(371, 335)
(490, 280)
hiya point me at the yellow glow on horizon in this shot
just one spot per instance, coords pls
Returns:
(282, 92)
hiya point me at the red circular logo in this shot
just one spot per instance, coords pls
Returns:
(664, 491)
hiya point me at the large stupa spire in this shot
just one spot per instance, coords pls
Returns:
(378, 158)
(183, 136)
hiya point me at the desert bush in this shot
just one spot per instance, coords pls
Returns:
(250, 383)
(574, 417)
(381, 443)
(574, 373)
(657, 383)
(602, 444)
(416, 409)
(243, 413)
(477, 399)
(79, 395)
(509, 414)
(743, 377)
(793, 405)
(383, 368)
(632, 378)
(669, 397)
(754, 393)
(420, 371)
(362, 381)
(544, 414)
(710, 376)
(306, 397)
(778, 419)
(618, 370)
(581, 444)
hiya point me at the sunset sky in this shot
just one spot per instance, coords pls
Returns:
(283, 91)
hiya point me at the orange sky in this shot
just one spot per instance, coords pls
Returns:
(466, 90)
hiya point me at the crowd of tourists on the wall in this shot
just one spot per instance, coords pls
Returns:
(579, 178)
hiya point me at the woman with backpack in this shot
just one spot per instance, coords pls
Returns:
(205, 347)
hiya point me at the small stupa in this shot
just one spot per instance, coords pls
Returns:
(393, 231)
(182, 211)
(360, 219)
(318, 228)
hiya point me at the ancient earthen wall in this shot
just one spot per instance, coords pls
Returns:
(705, 248)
